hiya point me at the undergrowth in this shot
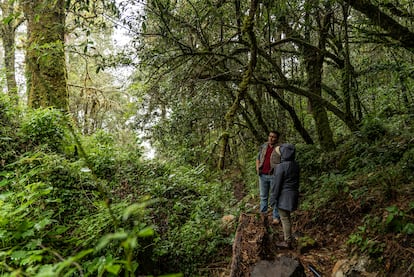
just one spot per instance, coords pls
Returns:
(73, 205)
(364, 192)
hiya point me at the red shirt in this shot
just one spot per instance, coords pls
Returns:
(266, 163)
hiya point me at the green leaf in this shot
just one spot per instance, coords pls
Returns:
(4, 196)
(8, 19)
(18, 255)
(28, 233)
(389, 218)
(34, 257)
(109, 237)
(41, 224)
(131, 210)
(146, 232)
(4, 182)
(408, 229)
(392, 209)
(113, 268)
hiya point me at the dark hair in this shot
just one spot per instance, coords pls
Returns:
(275, 132)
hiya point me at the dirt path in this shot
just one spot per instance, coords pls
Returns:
(256, 240)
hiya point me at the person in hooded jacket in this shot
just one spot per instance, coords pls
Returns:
(285, 190)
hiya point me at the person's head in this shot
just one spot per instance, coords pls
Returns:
(273, 137)
(287, 152)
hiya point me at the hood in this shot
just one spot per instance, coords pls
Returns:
(287, 152)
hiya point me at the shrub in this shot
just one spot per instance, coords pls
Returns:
(372, 129)
(9, 118)
(44, 127)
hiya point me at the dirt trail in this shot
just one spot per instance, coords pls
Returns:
(256, 240)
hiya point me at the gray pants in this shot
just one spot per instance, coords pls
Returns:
(286, 224)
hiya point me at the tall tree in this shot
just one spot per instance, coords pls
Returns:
(248, 31)
(314, 59)
(45, 54)
(388, 21)
(306, 53)
(11, 20)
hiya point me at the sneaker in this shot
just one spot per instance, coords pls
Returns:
(275, 221)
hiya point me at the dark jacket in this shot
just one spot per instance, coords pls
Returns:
(285, 188)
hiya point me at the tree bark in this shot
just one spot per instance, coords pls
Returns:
(244, 85)
(45, 57)
(8, 34)
(314, 67)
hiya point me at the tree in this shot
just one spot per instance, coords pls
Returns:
(395, 30)
(308, 58)
(45, 54)
(11, 20)
(95, 73)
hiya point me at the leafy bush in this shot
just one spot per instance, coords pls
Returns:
(372, 128)
(407, 163)
(54, 222)
(9, 118)
(370, 238)
(44, 127)
(309, 158)
(186, 218)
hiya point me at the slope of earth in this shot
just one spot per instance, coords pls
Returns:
(258, 241)
(329, 229)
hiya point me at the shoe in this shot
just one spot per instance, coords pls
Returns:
(275, 221)
(284, 244)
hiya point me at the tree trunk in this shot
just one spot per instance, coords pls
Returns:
(8, 34)
(9, 62)
(244, 85)
(45, 57)
(314, 67)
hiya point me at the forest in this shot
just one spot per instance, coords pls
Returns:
(129, 132)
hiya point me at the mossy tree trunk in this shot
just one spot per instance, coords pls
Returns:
(244, 84)
(314, 58)
(45, 55)
(8, 25)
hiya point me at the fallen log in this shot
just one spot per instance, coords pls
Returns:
(247, 246)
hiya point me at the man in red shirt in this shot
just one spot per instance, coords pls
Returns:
(266, 162)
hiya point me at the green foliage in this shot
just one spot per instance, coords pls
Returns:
(46, 214)
(9, 118)
(44, 127)
(407, 163)
(54, 220)
(372, 128)
(400, 221)
(187, 218)
(372, 247)
(368, 238)
(309, 158)
(370, 179)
